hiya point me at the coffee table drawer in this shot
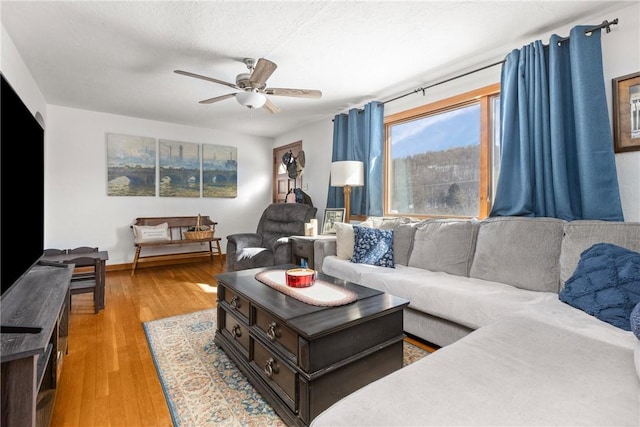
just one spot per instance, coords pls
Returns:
(238, 331)
(277, 373)
(278, 333)
(237, 303)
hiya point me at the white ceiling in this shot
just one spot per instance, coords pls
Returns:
(119, 57)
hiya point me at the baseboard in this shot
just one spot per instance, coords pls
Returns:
(167, 260)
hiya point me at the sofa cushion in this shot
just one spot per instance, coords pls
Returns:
(582, 234)
(403, 236)
(387, 222)
(373, 246)
(473, 303)
(514, 372)
(344, 240)
(519, 251)
(606, 284)
(443, 245)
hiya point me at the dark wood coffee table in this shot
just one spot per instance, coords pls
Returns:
(302, 358)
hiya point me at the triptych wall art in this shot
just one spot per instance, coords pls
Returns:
(142, 166)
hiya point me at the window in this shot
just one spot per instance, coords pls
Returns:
(442, 158)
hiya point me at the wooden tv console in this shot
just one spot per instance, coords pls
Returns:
(32, 360)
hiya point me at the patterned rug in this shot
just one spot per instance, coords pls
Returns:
(201, 385)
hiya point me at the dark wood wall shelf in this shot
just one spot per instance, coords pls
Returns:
(32, 361)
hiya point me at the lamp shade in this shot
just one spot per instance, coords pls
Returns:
(251, 99)
(347, 172)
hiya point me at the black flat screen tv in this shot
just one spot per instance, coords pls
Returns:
(21, 188)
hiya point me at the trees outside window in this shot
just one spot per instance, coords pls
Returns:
(442, 158)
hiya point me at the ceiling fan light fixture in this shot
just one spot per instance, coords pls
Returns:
(251, 99)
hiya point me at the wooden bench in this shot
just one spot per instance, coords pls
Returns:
(177, 225)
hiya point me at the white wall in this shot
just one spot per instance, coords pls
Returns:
(317, 142)
(79, 212)
(621, 56)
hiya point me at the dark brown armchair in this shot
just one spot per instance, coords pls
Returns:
(269, 245)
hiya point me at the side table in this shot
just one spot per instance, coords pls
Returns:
(302, 247)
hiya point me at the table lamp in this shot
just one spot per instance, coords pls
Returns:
(347, 174)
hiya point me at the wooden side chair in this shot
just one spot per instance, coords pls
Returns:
(83, 273)
(85, 277)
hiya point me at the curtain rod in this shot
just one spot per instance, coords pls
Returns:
(423, 89)
(605, 24)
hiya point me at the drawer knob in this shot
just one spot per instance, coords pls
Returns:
(272, 332)
(270, 367)
(236, 331)
(235, 302)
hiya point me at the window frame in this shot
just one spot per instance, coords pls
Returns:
(483, 96)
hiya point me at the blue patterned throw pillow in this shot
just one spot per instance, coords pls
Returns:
(605, 284)
(373, 246)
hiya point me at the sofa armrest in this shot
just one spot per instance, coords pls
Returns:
(282, 253)
(237, 242)
(245, 240)
(321, 249)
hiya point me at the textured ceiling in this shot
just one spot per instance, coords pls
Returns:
(119, 57)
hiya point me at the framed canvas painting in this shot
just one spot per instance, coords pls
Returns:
(131, 165)
(219, 171)
(179, 169)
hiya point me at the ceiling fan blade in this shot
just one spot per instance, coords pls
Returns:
(209, 79)
(271, 107)
(262, 71)
(217, 98)
(297, 93)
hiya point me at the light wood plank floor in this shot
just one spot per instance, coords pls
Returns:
(108, 377)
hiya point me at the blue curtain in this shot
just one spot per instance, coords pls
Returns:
(358, 135)
(557, 147)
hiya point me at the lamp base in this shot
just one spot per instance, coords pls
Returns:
(347, 203)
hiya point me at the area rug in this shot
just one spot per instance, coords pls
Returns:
(202, 386)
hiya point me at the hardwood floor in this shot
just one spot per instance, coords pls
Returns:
(108, 376)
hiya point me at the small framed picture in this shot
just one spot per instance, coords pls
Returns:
(331, 216)
(626, 113)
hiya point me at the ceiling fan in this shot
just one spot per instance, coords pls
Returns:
(252, 86)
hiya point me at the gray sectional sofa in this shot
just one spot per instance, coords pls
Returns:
(512, 352)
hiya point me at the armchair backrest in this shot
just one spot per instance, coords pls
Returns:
(283, 220)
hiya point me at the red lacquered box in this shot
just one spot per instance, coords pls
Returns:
(300, 277)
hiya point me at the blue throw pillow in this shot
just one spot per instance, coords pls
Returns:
(605, 284)
(373, 246)
(634, 319)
